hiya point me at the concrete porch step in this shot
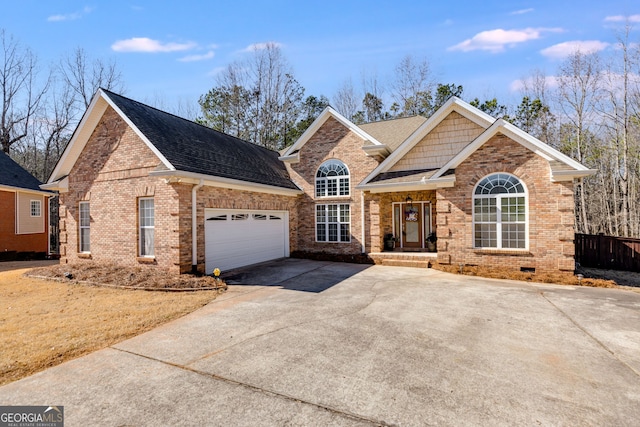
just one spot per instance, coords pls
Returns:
(405, 263)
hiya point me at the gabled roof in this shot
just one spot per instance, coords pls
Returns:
(181, 145)
(382, 180)
(453, 104)
(14, 176)
(563, 167)
(292, 152)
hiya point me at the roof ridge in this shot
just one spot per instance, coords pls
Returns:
(392, 119)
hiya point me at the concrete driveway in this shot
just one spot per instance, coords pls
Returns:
(343, 344)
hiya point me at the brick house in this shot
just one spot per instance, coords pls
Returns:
(136, 184)
(25, 213)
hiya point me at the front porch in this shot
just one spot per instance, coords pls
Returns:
(403, 226)
(404, 259)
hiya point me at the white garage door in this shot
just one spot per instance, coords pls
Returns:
(234, 238)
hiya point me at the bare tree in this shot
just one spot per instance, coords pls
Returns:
(536, 104)
(21, 94)
(84, 76)
(49, 124)
(412, 85)
(182, 107)
(622, 118)
(371, 83)
(258, 99)
(277, 96)
(226, 106)
(54, 131)
(346, 101)
(578, 93)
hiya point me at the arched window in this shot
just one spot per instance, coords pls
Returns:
(332, 179)
(500, 213)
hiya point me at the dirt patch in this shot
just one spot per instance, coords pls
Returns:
(16, 265)
(112, 275)
(592, 280)
(44, 323)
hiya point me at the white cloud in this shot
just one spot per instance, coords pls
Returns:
(57, 18)
(70, 16)
(519, 85)
(260, 46)
(145, 44)
(622, 18)
(193, 58)
(562, 50)
(495, 41)
(216, 71)
(521, 11)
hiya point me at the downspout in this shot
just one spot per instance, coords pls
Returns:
(194, 227)
(362, 217)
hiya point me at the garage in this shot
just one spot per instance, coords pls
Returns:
(235, 238)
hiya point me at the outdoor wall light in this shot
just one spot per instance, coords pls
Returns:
(409, 201)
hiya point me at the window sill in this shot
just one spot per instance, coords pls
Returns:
(324, 198)
(84, 255)
(146, 260)
(516, 252)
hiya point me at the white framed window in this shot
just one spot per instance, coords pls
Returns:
(332, 179)
(500, 213)
(333, 223)
(84, 224)
(36, 208)
(146, 232)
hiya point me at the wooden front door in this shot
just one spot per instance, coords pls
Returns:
(412, 225)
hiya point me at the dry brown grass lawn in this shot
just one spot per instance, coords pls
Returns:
(44, 323)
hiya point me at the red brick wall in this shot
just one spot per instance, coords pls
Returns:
(222, 198)
(551, 211)
(111, 174)
(331, 141)
(9, 240)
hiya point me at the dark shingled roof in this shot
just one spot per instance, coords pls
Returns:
(191, 147)
(12, 174)
(398, 175)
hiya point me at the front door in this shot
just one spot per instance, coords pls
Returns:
(412, 225)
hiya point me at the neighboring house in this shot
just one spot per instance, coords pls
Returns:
(25, 213)
(137, 184)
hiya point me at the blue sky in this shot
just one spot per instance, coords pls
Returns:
(172, 50)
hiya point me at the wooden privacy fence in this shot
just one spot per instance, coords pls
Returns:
(615, 253)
